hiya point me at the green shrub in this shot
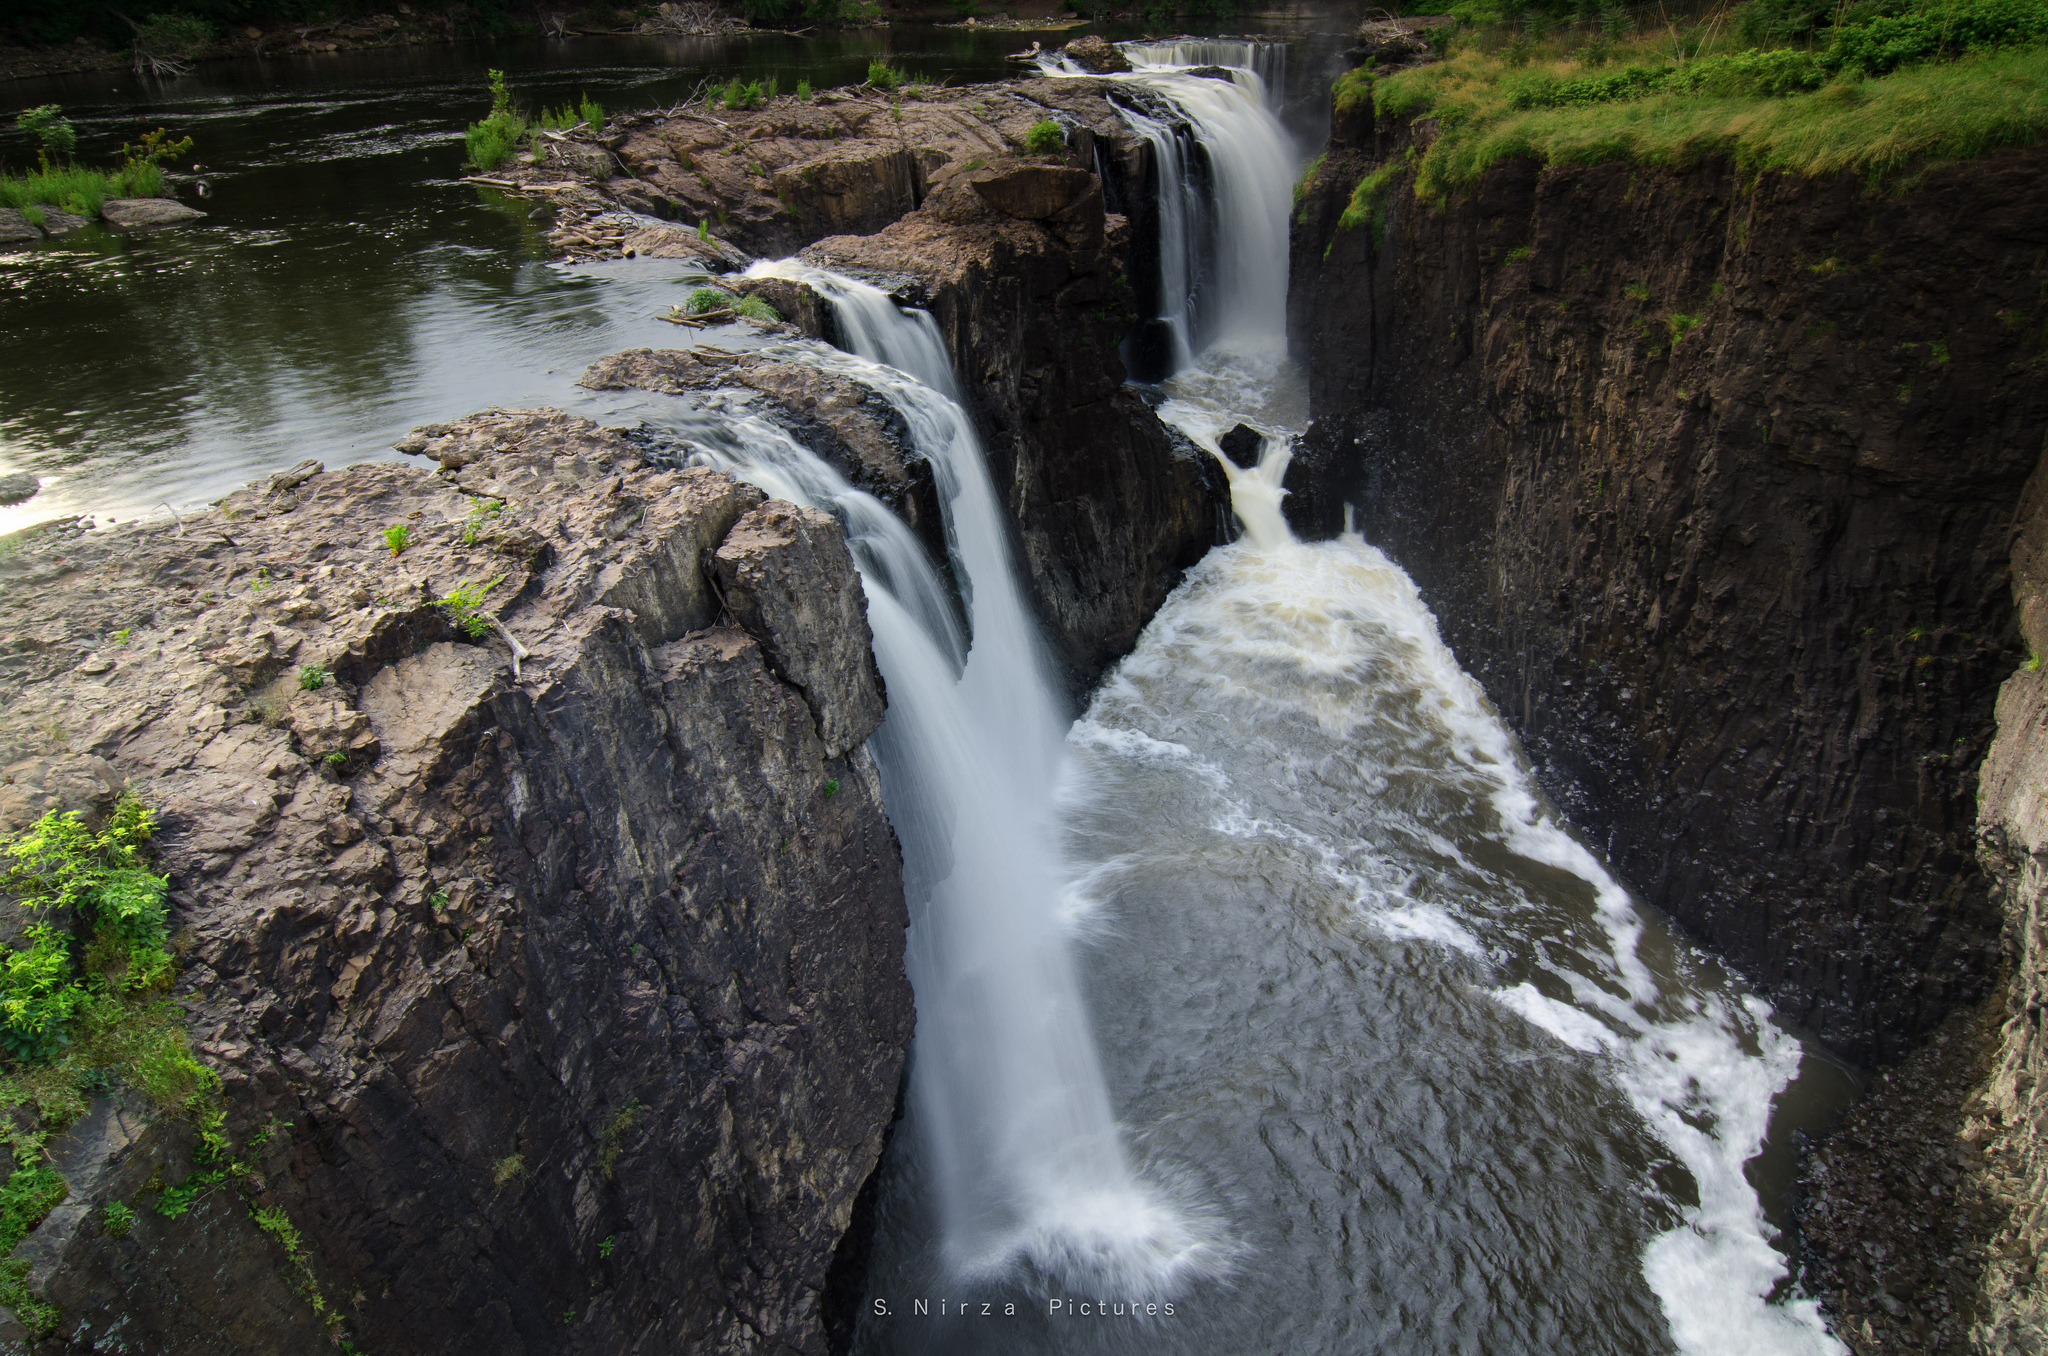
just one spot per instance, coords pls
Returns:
(465, 603)
(48, 125)
(756, 309)
(117, 1218)
(396, 536)
(702, 299)
(313, 677)
(884, 76)
(1046, 137)
(803, 91)
(739, 95)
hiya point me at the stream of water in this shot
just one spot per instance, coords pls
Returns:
(1263, 1006)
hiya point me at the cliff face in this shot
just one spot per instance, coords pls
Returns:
(560, 1005)
(1710, 478)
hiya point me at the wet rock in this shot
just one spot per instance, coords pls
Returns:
(1242, 444)
(16, 229)
(852, 428)
(19, 487)
(1096, 53)
(788, 580)
(134, 212)
(61, 223)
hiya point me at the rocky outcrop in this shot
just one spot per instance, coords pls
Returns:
(1023, 270)
(1709, 479)
(561, 1010)
(1093, 52)
(774, 178)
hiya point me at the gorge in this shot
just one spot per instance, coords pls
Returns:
(1164, 740)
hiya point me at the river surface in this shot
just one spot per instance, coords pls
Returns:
(1265, 1004)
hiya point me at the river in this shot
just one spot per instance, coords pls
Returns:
(1265, 1004)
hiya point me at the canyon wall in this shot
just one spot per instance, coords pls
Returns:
(1714, 479)
(1710, 478)
(558, 1002)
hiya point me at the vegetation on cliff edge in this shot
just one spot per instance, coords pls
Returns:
(1877, 88)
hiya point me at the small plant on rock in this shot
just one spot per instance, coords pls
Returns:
(395, 537)
(465, 603)
(508, 1169)
(1045, 138)
(480, 515)
(117, 1218)
(313, 677)
(884, 76)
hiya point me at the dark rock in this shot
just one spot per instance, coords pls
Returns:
(135, 212)
(61, 223)
(1742, 593)
(1097, 54)
(1242, 444)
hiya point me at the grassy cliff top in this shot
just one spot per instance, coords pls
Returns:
(1880, 89)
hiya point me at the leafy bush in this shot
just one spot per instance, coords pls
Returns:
(48, 125)
(396, 537)
(465, 602)
(704, 299)
(1046, 137)
(884, 76)
(756, 309)
(102, 881)
(803, 91)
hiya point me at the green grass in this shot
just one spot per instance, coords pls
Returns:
(884, 76)
(1880, 98)
(756, 309)
(76, 188)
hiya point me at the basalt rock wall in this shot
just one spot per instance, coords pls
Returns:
(558, 997)
(1711, 479)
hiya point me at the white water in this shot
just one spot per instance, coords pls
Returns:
(1223, 265)
(1007, 1095)
(1263, 62)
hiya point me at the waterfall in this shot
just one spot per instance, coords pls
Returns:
(1007, 1095)
(1267, 61)
(1222, 264)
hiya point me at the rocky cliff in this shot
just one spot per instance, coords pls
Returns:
(549, 949)
(1712, 479)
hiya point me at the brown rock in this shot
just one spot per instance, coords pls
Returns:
(1035, 192)
(1096, 53)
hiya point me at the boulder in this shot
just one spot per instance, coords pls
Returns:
(1034, 192)
(1097, 54)
(60, 223)
(15, 228)
(133, 212)
(21, 486)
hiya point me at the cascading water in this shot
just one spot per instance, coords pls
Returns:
(1265, 61)
(1007, 1097)
(1223, 270)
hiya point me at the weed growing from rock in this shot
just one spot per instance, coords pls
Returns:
(884, 76)
(117, 1218)
(313, 677)
(396, 537)
(1046, 137)
(465, 603)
